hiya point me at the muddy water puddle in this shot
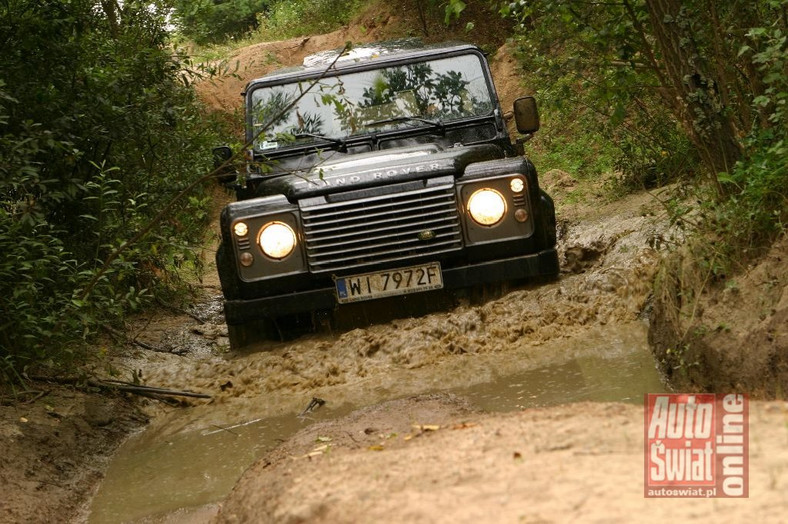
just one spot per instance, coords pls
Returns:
(624, 374)
(154, 475)
(190, 461)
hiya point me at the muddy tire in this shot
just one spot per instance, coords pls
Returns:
(548, 221)
(244, 335)
(262, 330)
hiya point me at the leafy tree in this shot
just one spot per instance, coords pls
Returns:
(213, 21)
(97, 132)
(717, 68)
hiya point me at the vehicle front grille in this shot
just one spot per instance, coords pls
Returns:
(378, 229)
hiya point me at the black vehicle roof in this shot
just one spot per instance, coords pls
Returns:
(380, 52)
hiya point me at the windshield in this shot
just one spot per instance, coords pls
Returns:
(423, 94)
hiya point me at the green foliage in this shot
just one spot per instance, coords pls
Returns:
(598, 98)
(735, 229)
(453, 9)
(583, 154)
(291, 18)
(678, 88)
(97, 133)
(213, 21)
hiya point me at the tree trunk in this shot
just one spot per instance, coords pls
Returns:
(110, 8)
(695, 87)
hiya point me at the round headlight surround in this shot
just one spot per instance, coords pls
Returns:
(277, 240)
(240, 229)
(487, 207)
(517, 185)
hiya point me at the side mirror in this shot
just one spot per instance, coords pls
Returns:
(526, 115)
(221, 155)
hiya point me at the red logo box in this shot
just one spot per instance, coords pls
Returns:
(696, 445)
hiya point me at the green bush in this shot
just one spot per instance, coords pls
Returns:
(601, 110)
(98, 132)
(214, 21)
(291, 18)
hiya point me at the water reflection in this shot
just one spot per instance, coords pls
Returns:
(625, 378)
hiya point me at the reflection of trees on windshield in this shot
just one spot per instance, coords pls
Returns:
(429, 94)
(276, 112)
(271, 111)
(344, 105)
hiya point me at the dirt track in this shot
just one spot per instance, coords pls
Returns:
(609, 264)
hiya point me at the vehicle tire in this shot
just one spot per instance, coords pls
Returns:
(548, 222)
(280, 329)
(253, 333)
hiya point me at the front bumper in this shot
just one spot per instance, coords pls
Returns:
(542, 264)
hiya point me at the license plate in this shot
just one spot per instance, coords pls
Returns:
(389, 283)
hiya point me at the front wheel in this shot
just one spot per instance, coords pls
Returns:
(249, 333)
(225, 266)
(267, 329)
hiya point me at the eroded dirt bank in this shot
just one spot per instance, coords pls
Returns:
(729, 335)
(54, 450)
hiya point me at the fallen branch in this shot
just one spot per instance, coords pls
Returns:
(144, 345)
(7, 400)
(118, 385)
(140, 388)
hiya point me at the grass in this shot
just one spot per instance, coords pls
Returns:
(286, 19)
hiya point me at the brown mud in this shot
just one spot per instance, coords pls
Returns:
(55, 450)
(609, 266)
(600, 299)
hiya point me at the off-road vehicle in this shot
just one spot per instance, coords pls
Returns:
(386, 172)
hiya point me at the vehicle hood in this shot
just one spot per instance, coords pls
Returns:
(342, 172)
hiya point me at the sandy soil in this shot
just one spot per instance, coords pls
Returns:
(432, 459)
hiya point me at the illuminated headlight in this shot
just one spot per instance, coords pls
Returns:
(487, 207)
(277, 240)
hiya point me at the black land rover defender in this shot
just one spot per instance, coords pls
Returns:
(383, 173)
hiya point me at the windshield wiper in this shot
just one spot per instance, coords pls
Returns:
(341, 144)
(437, 124)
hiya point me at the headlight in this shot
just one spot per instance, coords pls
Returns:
(277, 240)
(487, 207)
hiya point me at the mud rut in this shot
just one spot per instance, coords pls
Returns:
(607, 267)
(602, 296)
